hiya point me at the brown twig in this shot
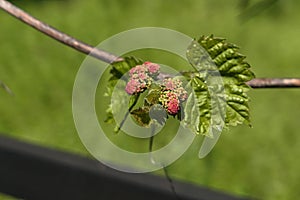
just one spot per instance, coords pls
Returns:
(274, 83)
(56, 34)
(110, 58)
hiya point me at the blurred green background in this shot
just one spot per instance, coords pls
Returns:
(261, 162)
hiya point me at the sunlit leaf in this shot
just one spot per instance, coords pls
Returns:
(215, 54)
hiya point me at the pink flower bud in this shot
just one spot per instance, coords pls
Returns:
(153, 68)
(173, 106)
(169, 84)
(132, 86)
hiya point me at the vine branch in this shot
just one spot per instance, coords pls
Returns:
(56, 34)
(110, 58)
(274, 83)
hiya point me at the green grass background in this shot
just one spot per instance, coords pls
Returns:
(261, 162)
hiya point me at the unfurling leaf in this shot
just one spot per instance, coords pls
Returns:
(152, 97)
(141, 116)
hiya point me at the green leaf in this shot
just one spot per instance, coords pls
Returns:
(237, 108)
(152, 97)
(119, 68)
(235, 72)
(230, 62)
(117, 102)
(109, 115)
(206, 55)
(141, 116)
(117, 72)
(133, 100)
(198, 107)
(192, 114)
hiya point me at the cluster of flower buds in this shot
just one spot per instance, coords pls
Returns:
(141, 77)
(172, 95)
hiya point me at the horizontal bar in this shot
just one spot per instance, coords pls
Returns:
(32, 172)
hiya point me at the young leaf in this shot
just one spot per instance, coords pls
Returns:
(198, 107)
(152, 97)
(237, 108)
(192, 114)
(118, 70)
(231, 64)
(235, 72)
(141, 116)
(212, 56)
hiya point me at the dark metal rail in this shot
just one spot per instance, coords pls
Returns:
(36, 173)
